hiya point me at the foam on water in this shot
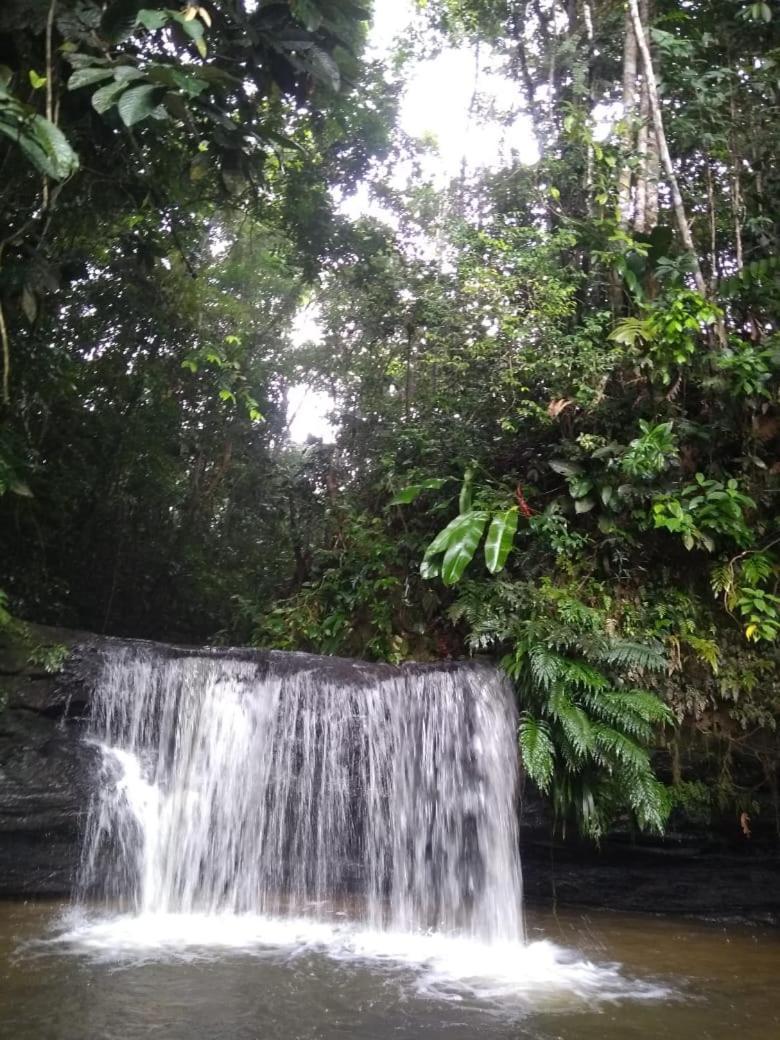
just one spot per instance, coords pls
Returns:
(451, 967)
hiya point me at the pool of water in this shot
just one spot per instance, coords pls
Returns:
(582, 976)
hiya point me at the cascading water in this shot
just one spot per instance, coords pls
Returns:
(275, 785)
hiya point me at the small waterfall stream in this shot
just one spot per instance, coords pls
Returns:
(276, 785)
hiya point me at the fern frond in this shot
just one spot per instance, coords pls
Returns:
(651, 802)
(625, 653)
(622, 749)
(545, 665)
(582, 676)
(616, 709)
(537, 751)
(573, 721)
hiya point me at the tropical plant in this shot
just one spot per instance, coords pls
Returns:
(586, 725)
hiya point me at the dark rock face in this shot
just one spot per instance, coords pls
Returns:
(677, 875)
(47, 774)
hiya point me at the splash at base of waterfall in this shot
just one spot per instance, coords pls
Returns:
(453, 967)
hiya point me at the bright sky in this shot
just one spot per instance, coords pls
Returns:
(435, 105)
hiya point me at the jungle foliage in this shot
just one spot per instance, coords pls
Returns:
(554, 384)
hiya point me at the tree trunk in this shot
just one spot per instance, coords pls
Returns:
(663, 147)
(640, 209)
(629, 114)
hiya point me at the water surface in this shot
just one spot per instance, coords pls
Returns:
(182, 977)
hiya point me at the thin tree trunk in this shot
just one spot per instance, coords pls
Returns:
(650, 181)
(713, 229)
(651, 189)
(640, 208)
(663, 147)
(629, 114)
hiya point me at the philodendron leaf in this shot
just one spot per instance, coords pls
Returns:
(500, 538)
(462, 545)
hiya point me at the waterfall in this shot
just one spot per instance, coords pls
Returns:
(282, 784)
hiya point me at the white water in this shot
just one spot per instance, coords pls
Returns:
(247, 807)
(229, 787)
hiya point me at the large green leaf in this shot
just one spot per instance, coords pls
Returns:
(106, 97)
(138, 103)
(86, 77)
(44, 144)
(500, 538)
(462, 545)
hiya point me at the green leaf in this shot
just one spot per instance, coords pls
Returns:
(584, 505)
(308, 14)
(574, 722)
(86, 77)
(462, 545)
(500, 538)
(152, 20)
(538, 753)
(42, 142)
(579, 487)
(410, 493)
(36, 81)
(429, 569)
(29, 304)
(138, 103)
(106, 97)
(194, 29)
(566, 468)
(464, 502)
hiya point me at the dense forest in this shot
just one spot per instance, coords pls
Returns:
(554, 383)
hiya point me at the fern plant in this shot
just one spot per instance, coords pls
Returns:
(586, 725)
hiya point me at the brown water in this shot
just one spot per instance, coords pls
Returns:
(607, 976)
